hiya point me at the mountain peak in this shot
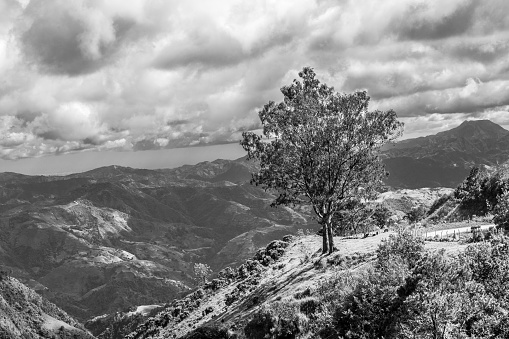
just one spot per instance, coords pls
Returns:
(483, 124)
(484, 129)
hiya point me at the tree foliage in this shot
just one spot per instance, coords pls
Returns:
(479, 192)
(320, 147)
(501, 210)
(202, 272)
(416, 214)
(381, 215)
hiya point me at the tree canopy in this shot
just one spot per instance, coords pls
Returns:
(320, 147)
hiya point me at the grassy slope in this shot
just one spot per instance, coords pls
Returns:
(301, 267)
(25, 314)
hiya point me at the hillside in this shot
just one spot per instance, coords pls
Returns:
(102, 241)
(25, 314)
(293, 273)
(445, 159)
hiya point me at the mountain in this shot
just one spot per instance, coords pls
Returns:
(25, 314)
(445, 159)
(102, 241)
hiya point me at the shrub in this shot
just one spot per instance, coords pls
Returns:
(260, 325)
(282, 320)
(309, 307)
(373, 308)
(208, 332)
(404, 246)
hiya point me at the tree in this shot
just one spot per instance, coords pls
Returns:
(202, 271)
(320, 147)
(381, 215)
(501, 211)
(353, 218)
(416, 214)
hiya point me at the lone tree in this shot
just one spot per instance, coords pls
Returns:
(320, 147)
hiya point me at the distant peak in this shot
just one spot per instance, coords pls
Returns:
(479, 123)
(487, 127)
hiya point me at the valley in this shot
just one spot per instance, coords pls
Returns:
(103, 241)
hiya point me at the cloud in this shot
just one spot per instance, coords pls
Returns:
(475, 96)
(65, 37)
(426, 20)
(208, 47)
(140, 75)
(70, 121)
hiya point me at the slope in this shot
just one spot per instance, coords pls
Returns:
(288, 270)
(25, 314)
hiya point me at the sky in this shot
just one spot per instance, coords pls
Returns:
(147, 83)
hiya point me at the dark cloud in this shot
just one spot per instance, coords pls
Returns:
(70, 40)
(483, 51)
(55, 48)
(416, 25)
(145, 145)
(179, 122)
(48, 135)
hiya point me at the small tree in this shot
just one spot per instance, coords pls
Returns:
(355, 217)
(501, 210)
(202, 272)
(381, 215)
(320, 148)
(416, 214)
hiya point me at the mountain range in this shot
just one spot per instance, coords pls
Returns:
(104, 240)
(445, 159)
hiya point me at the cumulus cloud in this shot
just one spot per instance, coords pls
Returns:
(143, 75)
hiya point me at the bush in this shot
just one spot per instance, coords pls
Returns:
(208, 332)
(374, 307)
(404, 246)
(282, 320)
(260, 325)
(309, 307)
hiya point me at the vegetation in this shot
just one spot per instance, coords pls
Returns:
(407, 292)
(320, 147)
(501, 211)
(201, 272)
(381, 215)
(416, 214)
(479, 192)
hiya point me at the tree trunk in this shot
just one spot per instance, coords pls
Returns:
(331, 238)
(325, 238)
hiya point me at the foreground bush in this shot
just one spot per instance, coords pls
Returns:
(282, 320)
